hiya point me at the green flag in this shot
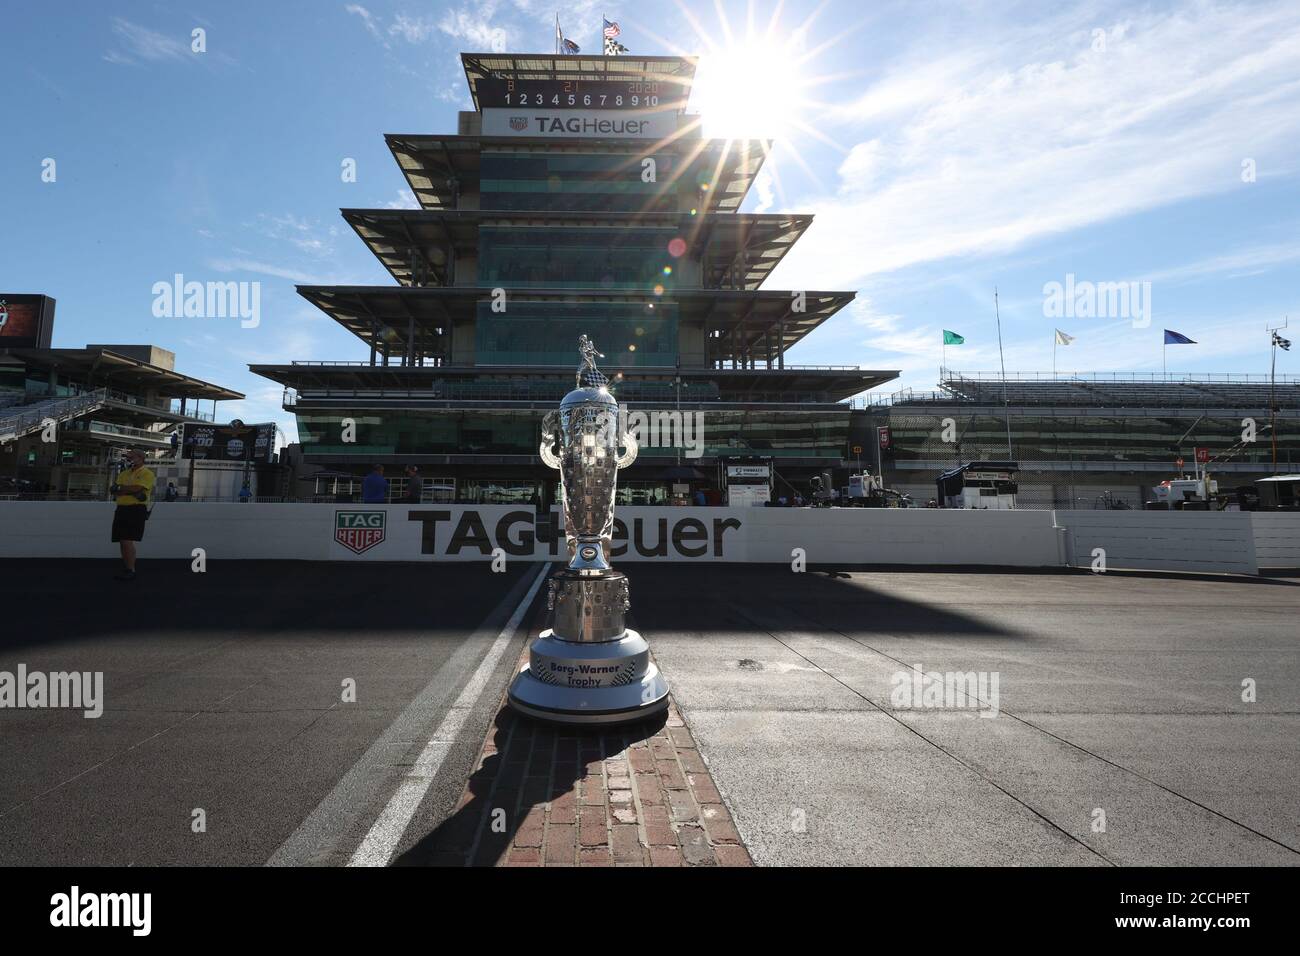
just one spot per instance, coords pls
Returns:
(952, 338)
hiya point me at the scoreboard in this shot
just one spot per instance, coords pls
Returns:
(636, 94)
(233, 442)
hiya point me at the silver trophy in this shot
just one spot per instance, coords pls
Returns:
(589, 667)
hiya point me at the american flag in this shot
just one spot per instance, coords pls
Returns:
(612, 29)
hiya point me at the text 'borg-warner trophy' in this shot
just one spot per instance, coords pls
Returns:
(589, 667)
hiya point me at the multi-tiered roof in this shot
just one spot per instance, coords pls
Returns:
(416, 329)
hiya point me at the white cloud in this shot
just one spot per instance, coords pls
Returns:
(765, 186)
(302, 234)
(412, 29)
(260, 268)
(145, 44)
(405, 200)
(368, 21)
(140, 44)
(473, 25)
(1250, 261)
(1027, 132)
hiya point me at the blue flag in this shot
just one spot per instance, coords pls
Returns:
(1177, 338)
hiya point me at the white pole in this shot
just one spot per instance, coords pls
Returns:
(1006, 405)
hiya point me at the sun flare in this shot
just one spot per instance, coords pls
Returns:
(751, 89)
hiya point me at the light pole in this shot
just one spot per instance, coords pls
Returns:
(1275, 343)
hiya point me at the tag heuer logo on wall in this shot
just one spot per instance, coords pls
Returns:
(519, 122)
(359, 531)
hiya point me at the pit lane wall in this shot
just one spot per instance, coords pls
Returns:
(1227, 542)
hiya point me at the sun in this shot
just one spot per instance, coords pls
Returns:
(753, 88)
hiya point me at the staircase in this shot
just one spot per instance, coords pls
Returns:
(17, 421)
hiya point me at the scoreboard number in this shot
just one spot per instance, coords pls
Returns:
(574, 94)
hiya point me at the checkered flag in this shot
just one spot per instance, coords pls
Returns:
(611, 32)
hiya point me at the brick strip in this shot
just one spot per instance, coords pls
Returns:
(549, 795)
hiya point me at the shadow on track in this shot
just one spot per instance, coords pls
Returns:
(532, 764)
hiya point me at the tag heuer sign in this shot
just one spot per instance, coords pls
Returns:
(359, 531)
(546, 122)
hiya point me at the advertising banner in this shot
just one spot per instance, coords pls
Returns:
(233, 442)
(26, 321)
(548, 123)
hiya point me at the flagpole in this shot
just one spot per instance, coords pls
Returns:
(1055, 337)
(1006, 405)
(1272, 400)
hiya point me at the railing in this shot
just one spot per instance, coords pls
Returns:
(329, 362)
(641, 400)
(1122, 378)
(38, 392)
(114, 429)
(41, 392)
(715, 366)
(902, 395)
(34, 416)
(175, 409)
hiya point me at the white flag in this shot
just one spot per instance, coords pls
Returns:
(1062, 338)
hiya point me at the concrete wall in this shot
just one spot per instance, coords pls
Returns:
(1277, 538)
(895, 536)
(1186, 541)
(1204, 541)
(1218, 542)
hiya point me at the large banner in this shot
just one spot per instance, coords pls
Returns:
(233, 442)
(545, 123)
(26, 321)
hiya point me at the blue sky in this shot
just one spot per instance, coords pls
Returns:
(946, 150)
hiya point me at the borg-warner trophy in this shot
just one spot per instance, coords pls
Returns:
(588, 667)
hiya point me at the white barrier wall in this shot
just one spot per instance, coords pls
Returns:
(897, 536)
(1180, 541)
(1219, 542)
(1277, 538)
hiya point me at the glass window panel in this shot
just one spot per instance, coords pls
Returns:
(546, 333)
(575, 258)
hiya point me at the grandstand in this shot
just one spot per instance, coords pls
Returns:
(1112, 390)
(1087, 440)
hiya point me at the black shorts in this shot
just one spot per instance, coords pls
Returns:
(128, 522)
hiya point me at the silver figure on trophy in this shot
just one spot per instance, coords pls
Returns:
(589, 667)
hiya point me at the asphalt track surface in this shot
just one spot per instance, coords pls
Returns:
(224, 692)
(1117, 692)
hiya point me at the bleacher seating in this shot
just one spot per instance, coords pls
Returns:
(1103, 391)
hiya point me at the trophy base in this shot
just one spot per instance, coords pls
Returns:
(610, 682)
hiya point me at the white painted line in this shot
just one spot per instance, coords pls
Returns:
(379, 844)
